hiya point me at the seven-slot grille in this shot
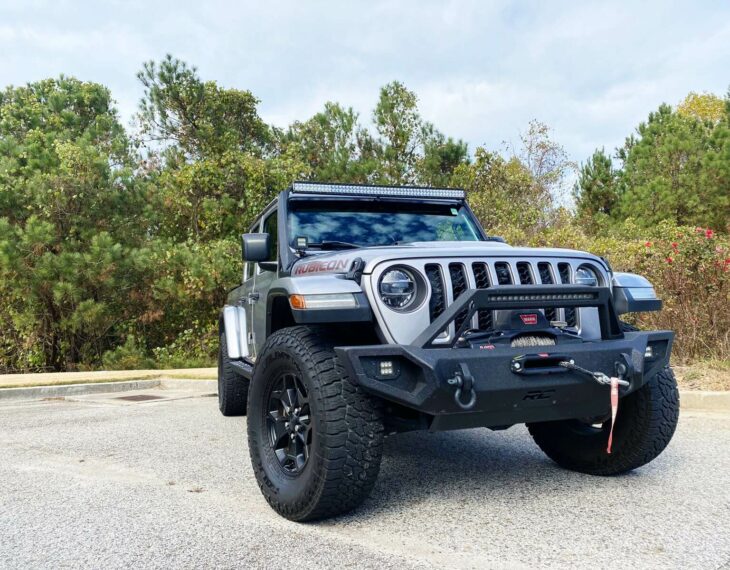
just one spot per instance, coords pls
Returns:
(482, 275)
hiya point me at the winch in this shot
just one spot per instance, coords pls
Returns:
(519, 328)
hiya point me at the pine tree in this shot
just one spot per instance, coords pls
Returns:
(595, 191)
(664, 170)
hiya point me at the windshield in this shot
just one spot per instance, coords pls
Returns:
(369, 223)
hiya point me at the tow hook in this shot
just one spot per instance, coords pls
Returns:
(464, 382)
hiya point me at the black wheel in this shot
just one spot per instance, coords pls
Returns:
(232, 387)
(315, 438)
(645, 423)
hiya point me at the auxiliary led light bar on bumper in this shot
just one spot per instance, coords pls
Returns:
(543, 297)
(366, 190)
(524, 297)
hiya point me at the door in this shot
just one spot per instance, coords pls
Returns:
(262, 281)
(246, 296)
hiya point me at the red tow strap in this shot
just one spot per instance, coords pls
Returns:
(604, 380)
(614, 410)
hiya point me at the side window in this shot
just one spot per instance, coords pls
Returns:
(270, 227)
(246, 271)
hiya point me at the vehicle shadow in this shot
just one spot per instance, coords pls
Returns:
(463, 469)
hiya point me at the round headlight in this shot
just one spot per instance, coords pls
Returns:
(586, 276)
(398, 289)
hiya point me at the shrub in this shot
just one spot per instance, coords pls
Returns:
(128, 356)
(193, 348)
(689, 268)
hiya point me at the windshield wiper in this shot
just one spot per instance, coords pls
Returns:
(333, 245)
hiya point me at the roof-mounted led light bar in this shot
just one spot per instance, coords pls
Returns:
(365, 190)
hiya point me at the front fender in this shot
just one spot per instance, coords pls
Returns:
(285, 287)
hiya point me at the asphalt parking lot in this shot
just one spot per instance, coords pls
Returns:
(107, 483)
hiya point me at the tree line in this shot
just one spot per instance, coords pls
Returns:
(117, 245)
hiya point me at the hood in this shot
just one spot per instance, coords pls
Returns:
(341, 261)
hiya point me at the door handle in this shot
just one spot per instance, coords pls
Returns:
(253, 297)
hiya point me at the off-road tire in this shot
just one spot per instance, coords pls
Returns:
(232, 387)
(645, 423)
(346, 425)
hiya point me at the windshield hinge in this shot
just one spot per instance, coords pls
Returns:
(356, 269)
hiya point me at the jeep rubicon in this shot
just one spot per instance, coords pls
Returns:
(370, 310)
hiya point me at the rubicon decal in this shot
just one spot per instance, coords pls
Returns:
(321, 266)
(529, 319)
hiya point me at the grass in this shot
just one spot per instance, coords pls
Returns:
(711, 375)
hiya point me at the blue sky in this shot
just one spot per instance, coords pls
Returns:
(482, 70)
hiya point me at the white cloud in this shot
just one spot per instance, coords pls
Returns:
(482, 70)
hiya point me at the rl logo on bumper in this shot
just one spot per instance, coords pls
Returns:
(539, 395)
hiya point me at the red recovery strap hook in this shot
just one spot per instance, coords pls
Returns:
(601, 378)
(614, 410)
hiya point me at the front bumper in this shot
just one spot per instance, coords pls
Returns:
(423, 376)
(503, 396)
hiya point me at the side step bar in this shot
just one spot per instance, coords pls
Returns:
(243, 367)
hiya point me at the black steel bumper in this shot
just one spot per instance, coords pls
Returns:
(493, 390)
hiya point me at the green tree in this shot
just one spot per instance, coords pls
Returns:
(71, 225)
(199, 118)
(333, 146)
(212, 165)
(441, 157)
(410, 150)
(218, 166)
(503, 194)
(595, 191)
(399, 125)
(716, 170)
(664, 172)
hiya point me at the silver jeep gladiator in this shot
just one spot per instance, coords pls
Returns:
(370, 310)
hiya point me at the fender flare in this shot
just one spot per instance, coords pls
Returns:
(320, 284)
(233, 321)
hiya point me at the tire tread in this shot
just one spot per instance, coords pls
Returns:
(232, 388)
(655, 415)
(352, 438)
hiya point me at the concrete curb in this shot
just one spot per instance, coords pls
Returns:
(699, 400)
(103, 377)
(183, 384)
(689, 399)
(60, 391)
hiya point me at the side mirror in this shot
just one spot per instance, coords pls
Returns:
(255, 247)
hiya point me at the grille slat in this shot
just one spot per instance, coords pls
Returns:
(546, 278)
(460, 276)
(481, 278)
(459, 284)
(437, 302)
(523, 270)
(504, 276)
(564, 270)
